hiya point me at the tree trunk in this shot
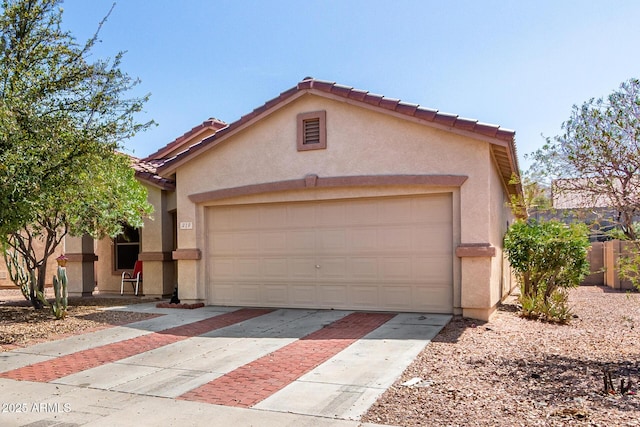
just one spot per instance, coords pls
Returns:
(34, 287)
(42, 276)
(527, 284)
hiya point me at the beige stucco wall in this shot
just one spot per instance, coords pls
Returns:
(359, 142)
(5, 279)
(156, 240)
(501, 217)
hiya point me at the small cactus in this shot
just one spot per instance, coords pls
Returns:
(59, 306)
(18, 272)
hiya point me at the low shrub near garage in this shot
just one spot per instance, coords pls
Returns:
(548, 257)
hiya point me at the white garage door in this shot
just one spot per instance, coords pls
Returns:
(390, 254)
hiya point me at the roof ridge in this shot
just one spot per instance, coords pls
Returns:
(211, 122)
(398, 106)
(409, 109)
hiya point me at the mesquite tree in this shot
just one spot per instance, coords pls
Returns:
(596, 161)
(63, 116)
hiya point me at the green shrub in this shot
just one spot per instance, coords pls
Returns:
(548, 258)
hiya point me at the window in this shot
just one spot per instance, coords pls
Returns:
(126, 248)
(312, 131)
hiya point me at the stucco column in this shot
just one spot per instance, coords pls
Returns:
(190, 233)
(476, 275)
(188, 260)
(156, 246)
(80, 266)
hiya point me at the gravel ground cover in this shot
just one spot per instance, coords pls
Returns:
(517, 372)
(21, 325)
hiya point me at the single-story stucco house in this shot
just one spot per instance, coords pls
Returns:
(324, 197)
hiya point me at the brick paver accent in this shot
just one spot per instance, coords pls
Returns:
(255, 381)
(82, 360)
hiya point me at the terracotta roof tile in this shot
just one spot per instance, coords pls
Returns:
(211, 123)
(425, 113)
(373, 99)
(505, 134)
(305, 84)
(389, 103)
(486, 129)
(251, 115)
(341, 90)
(410, 110)
(465, 124)
(406, 108)
(358, 94)
(322, 85)
(147, 171)
(445, 118)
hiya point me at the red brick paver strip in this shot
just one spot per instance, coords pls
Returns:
(255, 381)
(50, 370)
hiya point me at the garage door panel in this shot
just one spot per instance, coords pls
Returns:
(435, 240)
(332, 296)
(364, 268)
(269, 217)
(222, 242)
(249, 293)
(247, 268)
(276, 294)
(330, 214)
(302, 268)
(300, 215)
(434, 298)
(397, 297)
(273, 242)
(332, 268)
(432, 269)
(395, 268)
(301, 241)
(224, 268)
(374, 254)
(364, 296)
(394, 211)
(275, 268)
(395, 239)
(363, 239)
(362, 213)
(331, 240)
(303, 295)
(224, 293)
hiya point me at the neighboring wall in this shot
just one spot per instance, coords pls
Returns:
(612, 252)
(596, 265)
(5, 280)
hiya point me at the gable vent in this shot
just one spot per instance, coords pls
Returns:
(312, 131)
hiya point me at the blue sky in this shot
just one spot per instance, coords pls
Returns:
(519, 64)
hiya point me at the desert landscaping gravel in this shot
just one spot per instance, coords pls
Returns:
(506, 372)
(21, 325)
(517, 372)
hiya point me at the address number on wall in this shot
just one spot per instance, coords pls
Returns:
(186, 226)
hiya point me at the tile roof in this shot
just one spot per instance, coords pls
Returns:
(211, 123)
(502, 139)
(146, 170)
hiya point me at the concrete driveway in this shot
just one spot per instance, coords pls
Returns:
(215, 366)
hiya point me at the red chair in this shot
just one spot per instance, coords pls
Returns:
(134, 278)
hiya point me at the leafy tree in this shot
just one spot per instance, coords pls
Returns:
(549, 257)
(62, 120)
(535, 195)
(595, 162)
